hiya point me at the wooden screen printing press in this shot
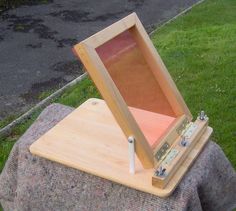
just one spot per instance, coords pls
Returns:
(141, 135)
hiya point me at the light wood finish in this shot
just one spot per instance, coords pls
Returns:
(163, 91)
(89, 139)
(171, 168)
(111, 31)
(171, 135)
(116, 103)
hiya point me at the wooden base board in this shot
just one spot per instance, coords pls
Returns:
(89, 139)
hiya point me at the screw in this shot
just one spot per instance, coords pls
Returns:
(183, 141)
(160, 172)
(202, 115)
(130, 139)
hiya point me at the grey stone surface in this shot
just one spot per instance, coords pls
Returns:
(36, 41)
(32, 183)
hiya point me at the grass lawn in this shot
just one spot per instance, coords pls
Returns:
(199, 50)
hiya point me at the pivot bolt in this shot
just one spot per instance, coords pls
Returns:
(131, 139)
(183, 141)
(202, 116)
(160, 172)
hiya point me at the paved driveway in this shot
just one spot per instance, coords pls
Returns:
(35, 42)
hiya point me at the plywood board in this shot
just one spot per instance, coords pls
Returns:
(89, 139)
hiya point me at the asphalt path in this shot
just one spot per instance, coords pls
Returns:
(36, 41)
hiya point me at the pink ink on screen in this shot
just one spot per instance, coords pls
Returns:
(135, 81)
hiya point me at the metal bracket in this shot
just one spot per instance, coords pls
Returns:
(170, 156)
(182, 127)
(162, 151)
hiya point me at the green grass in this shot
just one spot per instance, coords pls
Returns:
(45, 94)
(74, 96)
(199, 51)
(6, 143)
(7, 120)
(79, 94)
(10, 118)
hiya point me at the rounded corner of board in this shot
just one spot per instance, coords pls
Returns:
(32, 149)
(164, 193)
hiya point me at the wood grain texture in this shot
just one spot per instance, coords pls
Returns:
(89, 139)
(171, 134)
(115, 102)
(110, 32)
(182, 154)
(157, 90)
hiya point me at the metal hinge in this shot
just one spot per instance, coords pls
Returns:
(162, 151)
(182, 127)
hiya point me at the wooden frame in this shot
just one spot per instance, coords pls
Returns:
(124, 64)
(86, 51)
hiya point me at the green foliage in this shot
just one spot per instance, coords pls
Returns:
(5, 149)
(6, 143)
(45, 94)
(199, 51)
(7, 120)
(79, 93)
(74, 96)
